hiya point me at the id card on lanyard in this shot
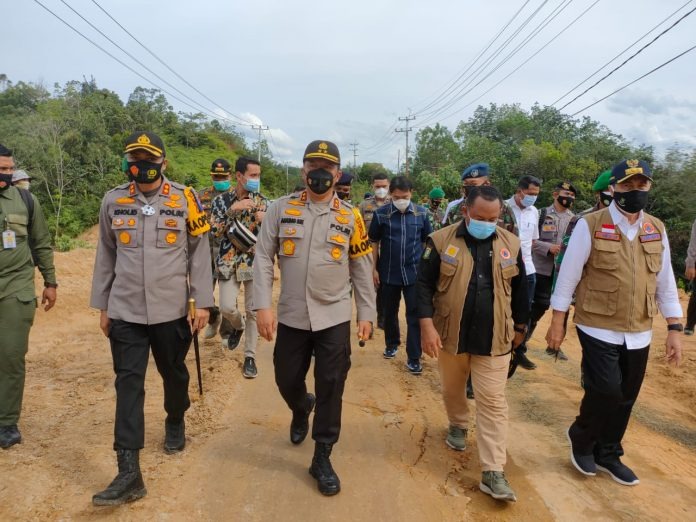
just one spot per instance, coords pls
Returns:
(9, 239)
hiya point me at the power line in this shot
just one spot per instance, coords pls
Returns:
(622, 52)
(246, 122)
(628, 59)
(135, 59)
(523, 63)
(461, 93)
(636, 80)
(134, 71)
(540, 27)
(476, 59)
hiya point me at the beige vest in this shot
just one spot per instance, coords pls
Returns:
(617, 289)
(456, 267)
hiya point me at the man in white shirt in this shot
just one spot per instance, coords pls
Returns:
(527, 217)
(618, 264)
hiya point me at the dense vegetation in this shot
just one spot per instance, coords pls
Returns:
(71, 141)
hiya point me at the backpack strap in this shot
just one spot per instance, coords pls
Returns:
(29, 202)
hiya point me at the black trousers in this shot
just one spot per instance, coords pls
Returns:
(130, 349)
(691, 310)
(541, 302)
(292, 356)
(612, 377)
(379, 305)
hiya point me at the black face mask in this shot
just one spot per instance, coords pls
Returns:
(144, 171)
(566, 201)
(319, 181)
(7, 178)
(632, 202)
(343, 195)
(605, 199)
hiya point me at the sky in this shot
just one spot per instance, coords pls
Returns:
(346, 70)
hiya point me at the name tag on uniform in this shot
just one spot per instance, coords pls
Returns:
(9, 240)
(650, 237)
(549, 228)
(607, 235)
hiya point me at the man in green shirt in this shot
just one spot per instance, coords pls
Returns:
(25, 241)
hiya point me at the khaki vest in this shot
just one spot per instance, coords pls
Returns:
(617, 289)
(456, 267)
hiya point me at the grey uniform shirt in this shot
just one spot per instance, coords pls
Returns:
(552, 229)
(321, 249)
(148, 266)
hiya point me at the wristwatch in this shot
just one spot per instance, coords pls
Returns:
(51, 285)
(520, 330)
(677, 327)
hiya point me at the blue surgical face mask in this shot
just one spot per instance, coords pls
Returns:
(480, 229)
(252, 185)
(222, 186)
(528, 201)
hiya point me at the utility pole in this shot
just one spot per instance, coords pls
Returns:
(354, 149)
(406, 130)
(398, 161)
(259, 128)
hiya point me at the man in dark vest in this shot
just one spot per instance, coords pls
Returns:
(618, 265)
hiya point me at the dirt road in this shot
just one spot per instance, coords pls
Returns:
(240, 465)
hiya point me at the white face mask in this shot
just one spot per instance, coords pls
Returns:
(23, 184)
(381, 192)
(401, 204)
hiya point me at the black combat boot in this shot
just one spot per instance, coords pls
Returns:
(128, 484)
(327, 480)
(9, 436)
(174, 436)
(299, 427)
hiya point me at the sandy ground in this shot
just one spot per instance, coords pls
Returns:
(393, 463)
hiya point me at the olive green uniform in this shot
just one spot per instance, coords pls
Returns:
(17, 294)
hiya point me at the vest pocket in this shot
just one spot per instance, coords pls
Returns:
(601, 297)
(606, 254)
(441, 320)
(653, 255)
(447, 271)
(508, 273)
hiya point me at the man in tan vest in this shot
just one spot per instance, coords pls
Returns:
(618, 263)
(473, 309)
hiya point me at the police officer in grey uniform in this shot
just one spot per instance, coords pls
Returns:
(322, 244)
(553, 222)
(153, 255)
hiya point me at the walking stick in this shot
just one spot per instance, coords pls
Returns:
(196, 349)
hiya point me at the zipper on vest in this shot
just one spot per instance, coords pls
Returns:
(633, 286)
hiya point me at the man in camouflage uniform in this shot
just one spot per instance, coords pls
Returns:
(220, 175)
(244, 205)
(435, 213)
(473, 176)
